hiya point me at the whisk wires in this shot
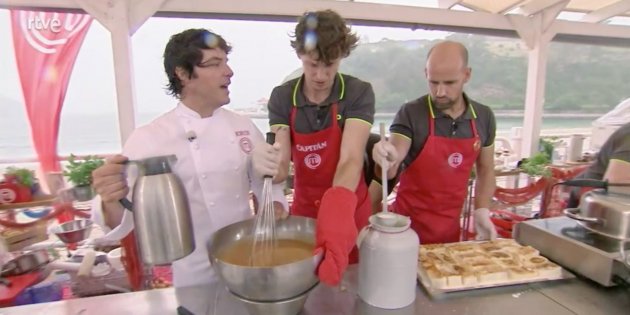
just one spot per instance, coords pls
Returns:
(264, 229)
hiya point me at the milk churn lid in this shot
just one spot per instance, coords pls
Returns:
(390, 222)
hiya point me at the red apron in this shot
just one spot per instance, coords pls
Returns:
(433, 188)
(315, 157)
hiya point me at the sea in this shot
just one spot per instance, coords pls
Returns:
(83, 134)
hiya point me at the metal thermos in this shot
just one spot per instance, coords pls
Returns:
(163, 225)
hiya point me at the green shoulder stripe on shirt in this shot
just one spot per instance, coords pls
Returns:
(618, 160)
(400, 134)
(279, 125)
(361, 120)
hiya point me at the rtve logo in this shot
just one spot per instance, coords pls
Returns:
(46, 30)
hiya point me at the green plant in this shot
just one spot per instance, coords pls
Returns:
(79, 172)
(546, 146)
(24, 176)
(536, 165)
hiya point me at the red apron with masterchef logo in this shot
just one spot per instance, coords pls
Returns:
(315, 157)
(433, 188)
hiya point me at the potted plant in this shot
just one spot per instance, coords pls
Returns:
(79, 173)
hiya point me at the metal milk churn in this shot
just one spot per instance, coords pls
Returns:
(161, 214)
(388, 261)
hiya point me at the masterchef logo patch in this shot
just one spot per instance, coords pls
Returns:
(313, 160)
(455, 160)
(7, 195)
(246, 144)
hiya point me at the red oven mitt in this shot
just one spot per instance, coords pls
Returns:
(336, 233)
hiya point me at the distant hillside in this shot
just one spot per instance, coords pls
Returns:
(580, 78)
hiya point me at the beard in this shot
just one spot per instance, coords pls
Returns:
(444, 103)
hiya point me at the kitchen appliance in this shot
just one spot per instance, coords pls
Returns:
(574, 247)
(161, 214)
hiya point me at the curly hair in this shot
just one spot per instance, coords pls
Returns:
(184, 50)
(326, 33)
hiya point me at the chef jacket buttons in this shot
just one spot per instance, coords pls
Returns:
(212, 203)
(237, 196)
(196, 146)
(203, 176)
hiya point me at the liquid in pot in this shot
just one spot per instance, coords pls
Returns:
(285, 251)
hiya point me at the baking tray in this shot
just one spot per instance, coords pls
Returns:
(426, 283)
(424, 280)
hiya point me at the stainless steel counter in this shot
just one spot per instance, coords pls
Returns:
(573, 296)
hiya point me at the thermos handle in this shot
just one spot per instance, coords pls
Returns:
(124, 201)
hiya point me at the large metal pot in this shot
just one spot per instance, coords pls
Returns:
(604, 212)
(266, 283)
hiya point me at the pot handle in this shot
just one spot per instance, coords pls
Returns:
(573, 214)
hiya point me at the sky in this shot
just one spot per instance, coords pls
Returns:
(261, 58)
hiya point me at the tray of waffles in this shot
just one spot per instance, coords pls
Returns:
(475, 265)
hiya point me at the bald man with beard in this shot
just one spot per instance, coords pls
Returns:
(436, 140)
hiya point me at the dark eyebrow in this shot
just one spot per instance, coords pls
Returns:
(211, 59)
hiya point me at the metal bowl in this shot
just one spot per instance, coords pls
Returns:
(290, 306)
(73, 231)
(266, 283)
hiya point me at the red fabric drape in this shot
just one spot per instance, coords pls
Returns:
(46, 47)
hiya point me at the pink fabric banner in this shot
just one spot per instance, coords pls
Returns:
(46, 47)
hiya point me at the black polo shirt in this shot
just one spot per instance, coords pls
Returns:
(617, 147)
(357, 102)
(412, 121)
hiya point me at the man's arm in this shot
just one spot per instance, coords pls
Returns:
(485, 183)
(402, 144)
(618, 171)
(350, 165)
(283, 137)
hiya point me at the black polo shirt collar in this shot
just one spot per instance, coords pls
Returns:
(338, 90)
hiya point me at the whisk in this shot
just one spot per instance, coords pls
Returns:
(265, 222)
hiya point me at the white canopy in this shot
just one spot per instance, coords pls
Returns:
(620, 115)
(535, 22)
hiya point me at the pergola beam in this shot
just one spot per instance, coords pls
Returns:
(447, 4)
(535, 6)
(607, 12)
(362, 13)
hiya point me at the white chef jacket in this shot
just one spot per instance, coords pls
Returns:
(214, 169)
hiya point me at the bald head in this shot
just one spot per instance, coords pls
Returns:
(448, 52)
(447, 72)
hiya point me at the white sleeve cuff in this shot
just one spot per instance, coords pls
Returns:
(126, 225)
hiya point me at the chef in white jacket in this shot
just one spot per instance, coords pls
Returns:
(212, 145)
